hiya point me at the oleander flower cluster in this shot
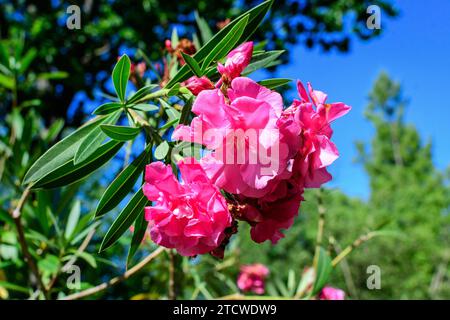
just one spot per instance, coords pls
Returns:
(259, 156)
(252, 278)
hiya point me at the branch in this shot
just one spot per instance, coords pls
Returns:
(16, 214)
(363, 238)
(116, 280)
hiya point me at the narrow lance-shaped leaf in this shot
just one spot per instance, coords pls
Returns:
(69, 172)
(108, 108)
(141, 93)
(72, 220)
(255, 17)
(227, 43)
(93, 140)
(120, 76)
(145, 107)
(274, 83)
(193, 65)
(205, 30)
(60, 153)
(261, 60)
(120, 133)
(140, 227)
(122, 184)
(125, 219)
(323, 270)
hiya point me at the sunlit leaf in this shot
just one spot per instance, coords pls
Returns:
(122, 184)
(60, 153)
(323, 271)
(120, 76)
(274, 83)
(227, 43)
(93, 140)
(255, 17)
(72, 221)
(161, 150)
(125, 219)
(68, 172)
(120, 133)
(108, 108)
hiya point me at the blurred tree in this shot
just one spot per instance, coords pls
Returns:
(107, 27)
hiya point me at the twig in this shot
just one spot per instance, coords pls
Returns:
(345, 270)
(363, 238)
(16, 215)
(116, 280)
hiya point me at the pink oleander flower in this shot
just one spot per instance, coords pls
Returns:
(237, 60)
(197, 85)
(252, 278)
(313, 118)
(330, 293)
(306, 132)
(190, 216)
(272, 213)
(241, 132)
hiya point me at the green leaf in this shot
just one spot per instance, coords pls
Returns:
(193, 65)
(274, 83)
(72, 221)
(55, 75)
(186, 111)
(108, 108)
(60, 153)
(174, 38)
(89, 258)
(141, 93)
(227, 43)
(120, 133)
(43, 211)
(122, 184)
(167, 125)
(120, 76)
(161, 150)
(49, 265)
(13, 287)
(6, 217)
(305, 282)
(68, 172)
(174, 90)
(27, 59)
(140, 227)
(261, 60)
(54, 130)
(125, 219)
(205, 30)
(255, 17)
(6, 81)
(144, 107)
(93, 140)
(171, 112)
(323, 271)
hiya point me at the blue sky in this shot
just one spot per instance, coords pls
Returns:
(415, 50)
